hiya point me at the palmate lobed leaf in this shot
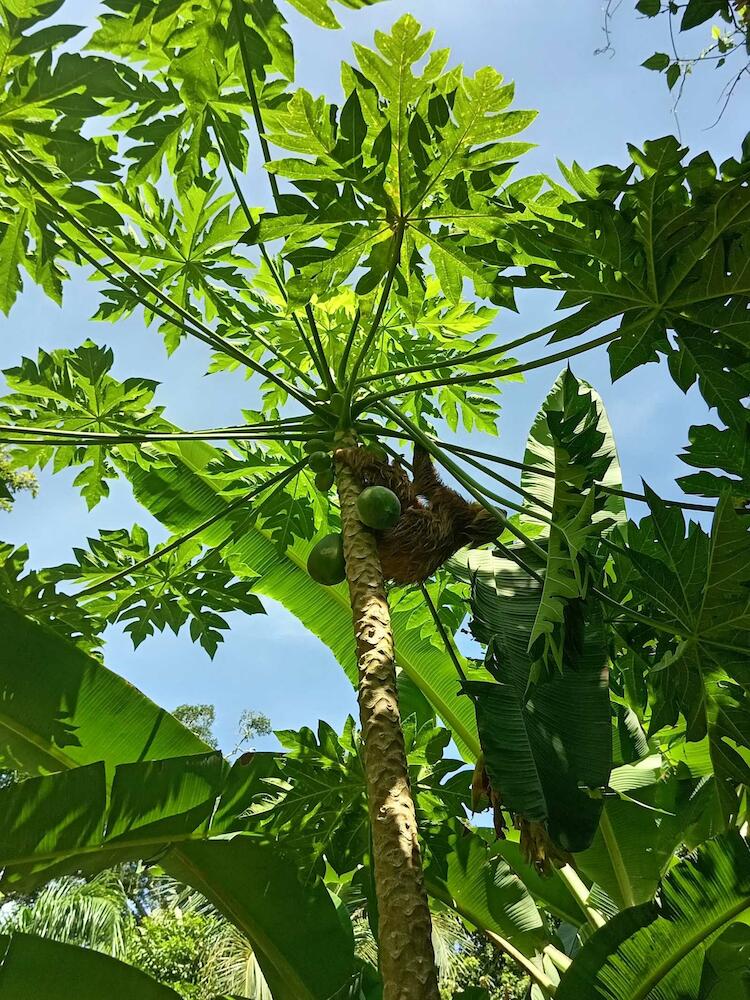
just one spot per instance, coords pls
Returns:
(469, 248)
(197, 81)
(422, 147)
(317, 807)
(696, 587)
(43, 105)
(712, 447)
(73, 390)
(13, 255)
(321, 12)
(661, 246)
(424, 327)
(169, 117)
(182, 103)
(185, 247)
(319, 810)
(186, 585)
(449, 599)
(195, 85)
(34, 594)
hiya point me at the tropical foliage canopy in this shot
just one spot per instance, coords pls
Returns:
(606, 723)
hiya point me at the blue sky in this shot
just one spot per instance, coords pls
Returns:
(590, 107)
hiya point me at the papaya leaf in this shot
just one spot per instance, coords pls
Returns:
(320, 12)
(45, 101)
(317, 807)
(407, 148)
(661, 246)
(186, 248)
(479, 119)
(34, 594)
(73, 390)
(695, 587)
(184, 586)
(427, 328)
(13, 247)
(717, 448)
(390, 72)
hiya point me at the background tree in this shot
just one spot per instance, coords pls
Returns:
(723, 47)
(200, 719)
(12, 481)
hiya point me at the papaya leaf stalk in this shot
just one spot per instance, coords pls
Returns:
(526, 467)
(195, 326)
(470, 357)
(368, 402)
(272, 269)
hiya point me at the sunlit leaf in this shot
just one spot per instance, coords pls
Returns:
(659, 949)
(184, 586)
(48, 968)
(74, 391)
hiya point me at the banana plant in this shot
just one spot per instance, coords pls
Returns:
(343, 299)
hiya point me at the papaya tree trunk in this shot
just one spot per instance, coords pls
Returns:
(407, 960)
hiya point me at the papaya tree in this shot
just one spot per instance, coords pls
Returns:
(358, 300)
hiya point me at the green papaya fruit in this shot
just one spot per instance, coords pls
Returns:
(324, 480)
(378, 507)
(337, 403)
(316, 444)
(325, 564)
(320, 461)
